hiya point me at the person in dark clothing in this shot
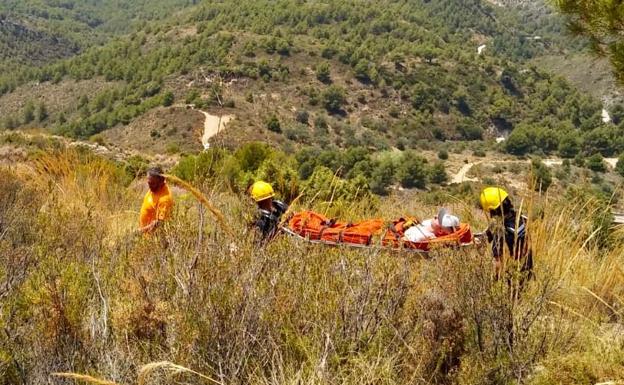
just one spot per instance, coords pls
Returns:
(508, 228)
(270, 211)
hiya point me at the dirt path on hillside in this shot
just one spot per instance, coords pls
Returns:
(611, 162)
(213, 125)
(460, 176)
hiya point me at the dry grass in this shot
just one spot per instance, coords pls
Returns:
(84, 378)
(80, 294)
(171, 369)
(144, 374)
(202, 198)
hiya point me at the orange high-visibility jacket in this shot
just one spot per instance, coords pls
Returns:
(156, 206)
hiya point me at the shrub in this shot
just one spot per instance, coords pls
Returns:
(569, 146)
(412, 170)
(273, 124)
(437, 173)
(333, 98)
(619, 166)
(298, 133)
(361, 71)
(168, 99)
(302, 116)
(28, 115)
(542, 177)
(173, 148)
(479, 153)
(325, 186)
(595, 163)
(136, 166)
(41, 114)
(98, 139)
(382, 176)
(443, 155)
(278, 171)
(323, 74)
(251, 155)
(470, 131)
(320, 122)
(518, 143)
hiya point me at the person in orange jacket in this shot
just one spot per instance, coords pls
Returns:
(157, 203)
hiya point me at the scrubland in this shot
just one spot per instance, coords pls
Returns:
(81, 292)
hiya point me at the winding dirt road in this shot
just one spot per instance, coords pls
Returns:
(460, 176)
(212, 126)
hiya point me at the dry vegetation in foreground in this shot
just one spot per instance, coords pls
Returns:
(80, 293)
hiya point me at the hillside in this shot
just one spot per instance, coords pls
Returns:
(34, 33)
(81, 292)
(405, 77)
(321, 78)
(20, 44)
(382, 109)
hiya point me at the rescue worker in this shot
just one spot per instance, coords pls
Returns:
(507, 227)
(157, 203)
(270, 210)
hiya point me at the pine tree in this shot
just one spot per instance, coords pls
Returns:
(601, 22)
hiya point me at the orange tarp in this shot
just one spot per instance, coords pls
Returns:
(317, 227)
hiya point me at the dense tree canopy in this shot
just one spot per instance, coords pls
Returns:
(411, 63)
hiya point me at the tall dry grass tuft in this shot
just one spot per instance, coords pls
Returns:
(145, 372)
(200, 197)
(84, 378)
(169, 368)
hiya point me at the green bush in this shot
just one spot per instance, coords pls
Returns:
(619, 166)
(251, 155)
(569, 146)
(437, 173)
(518, 143)
(273, 124)
(298, 132)
(596, 163)
(136, 166)
(325, 186)
(168, 99)
(542, 177)
(470, 131)
(333, 98)
(201, 167)
(41, 114)
(382, 176)
(412, 170)
(28, 115)
(323, 73)
(479, 153)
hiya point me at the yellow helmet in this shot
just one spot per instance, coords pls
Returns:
(261, 190)
(492, 197)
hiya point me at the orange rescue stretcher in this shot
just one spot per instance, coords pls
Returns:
(316, 228)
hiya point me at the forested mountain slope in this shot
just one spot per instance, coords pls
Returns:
(376, 74)
(34, 32)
